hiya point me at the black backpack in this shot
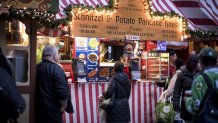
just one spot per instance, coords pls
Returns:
(208, 110)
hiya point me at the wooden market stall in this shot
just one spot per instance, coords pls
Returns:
(18, 42)
(100, 37)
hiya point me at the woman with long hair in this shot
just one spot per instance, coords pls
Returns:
(184, 83)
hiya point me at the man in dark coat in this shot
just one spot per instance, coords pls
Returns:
(52, 91)
(119, 87)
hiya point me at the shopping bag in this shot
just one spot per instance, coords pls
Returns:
(164, 112)
(101, 112)
(107, 103)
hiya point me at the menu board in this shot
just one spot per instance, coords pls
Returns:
(87, 49)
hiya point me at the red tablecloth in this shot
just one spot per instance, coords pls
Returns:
(144, 96)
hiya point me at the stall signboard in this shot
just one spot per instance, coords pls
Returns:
(87, 49)
(131, 18)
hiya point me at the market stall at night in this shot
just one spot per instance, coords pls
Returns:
(93, 34)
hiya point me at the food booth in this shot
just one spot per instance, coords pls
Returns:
(96, 40)
(100, 38)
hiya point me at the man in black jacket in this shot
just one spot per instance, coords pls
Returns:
(52, 91)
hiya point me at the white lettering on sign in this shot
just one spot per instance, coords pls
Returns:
(132, 37)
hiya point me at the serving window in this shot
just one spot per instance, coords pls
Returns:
(111, 51)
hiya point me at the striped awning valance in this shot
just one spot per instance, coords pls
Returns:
(3, 10)
(64, 3)
(201, 14)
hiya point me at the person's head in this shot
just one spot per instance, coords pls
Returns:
(179, 63)
(123, 59)
(173, 56)
(50, 53)
(118, 67)
(207, 57)
(192, 63)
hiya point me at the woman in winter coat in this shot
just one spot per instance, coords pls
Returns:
(169, 92)
(184, 83)
(119, 87)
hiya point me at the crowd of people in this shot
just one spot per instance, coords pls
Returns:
(187, 87)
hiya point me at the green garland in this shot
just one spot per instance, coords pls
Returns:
(200, 34)
(43, 19)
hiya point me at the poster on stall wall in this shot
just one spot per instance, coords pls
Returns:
(104, 73)
(81, 47)
(129, 48)
(87, 50)
(92, 59)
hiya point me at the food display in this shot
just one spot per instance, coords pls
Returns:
(93, 57)
(93, 43)
(92, 73)
(82, 56)
(157, 66)
(104, 72)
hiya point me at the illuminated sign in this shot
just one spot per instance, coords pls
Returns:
(130, 18)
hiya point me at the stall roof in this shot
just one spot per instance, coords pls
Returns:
(64, 3)
(201, 14)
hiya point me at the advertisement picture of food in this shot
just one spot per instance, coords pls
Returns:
(92, 73)
(93, 43)
(82, 56)
(104, 72)
(81, 42)
(92, 57)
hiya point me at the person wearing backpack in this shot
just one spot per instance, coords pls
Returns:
(204, 108)
(183, 83)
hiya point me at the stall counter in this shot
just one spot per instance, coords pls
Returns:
(144, 95)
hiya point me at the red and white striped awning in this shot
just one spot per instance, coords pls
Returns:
(64, 3)
(201, 14)
(51, 32)
(3, 10)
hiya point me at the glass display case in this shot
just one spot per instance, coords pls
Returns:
(157, 66)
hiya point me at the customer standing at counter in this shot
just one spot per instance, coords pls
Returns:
(172, 67)
(173, 58)
(119, 88)
(52, 91)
